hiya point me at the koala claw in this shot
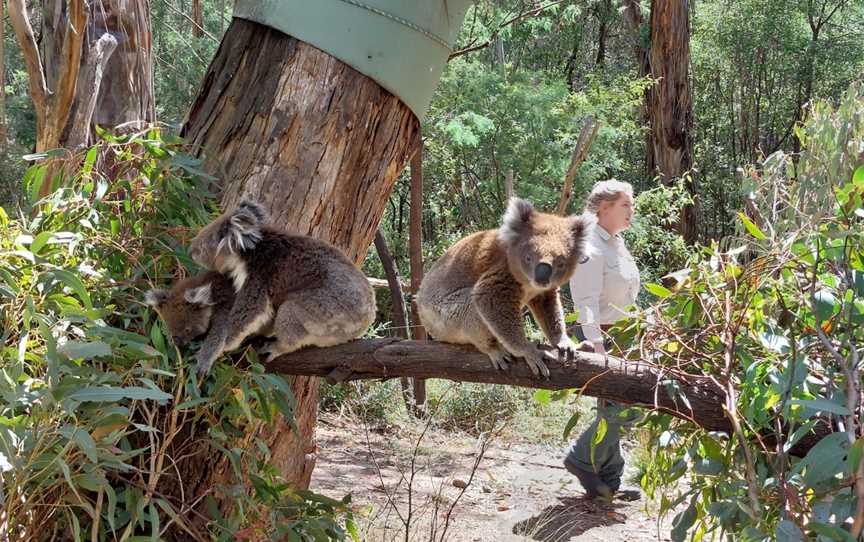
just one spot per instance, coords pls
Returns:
(567, 349)
(203, 364)
(536, 364)
(500, 360)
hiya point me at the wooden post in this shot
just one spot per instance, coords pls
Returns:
(415, 249)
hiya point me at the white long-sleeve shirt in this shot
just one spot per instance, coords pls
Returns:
(605, 284)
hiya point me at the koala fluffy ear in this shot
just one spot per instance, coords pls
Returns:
(255, 209)
(242, 229)
(581, 224)
(155, 297)
(202, 295)
(516, 219)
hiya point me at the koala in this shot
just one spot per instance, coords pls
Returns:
(193, 305)
(302, 290)
(475, 293)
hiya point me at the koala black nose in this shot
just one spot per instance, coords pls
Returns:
(181, 341)
(542, 273)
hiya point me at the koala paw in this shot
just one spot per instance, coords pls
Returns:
(203, 364)
(567, 349)
(536, 362)
(500, 359)
(266, 352)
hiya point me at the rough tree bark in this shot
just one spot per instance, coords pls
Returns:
(126, 96)
(627, 382)
(316, 142)
(669, 151)
(52, 79)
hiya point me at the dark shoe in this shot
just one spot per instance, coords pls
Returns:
(592, 484)
(628, 495)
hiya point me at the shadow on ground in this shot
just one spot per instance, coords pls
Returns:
(571, 517)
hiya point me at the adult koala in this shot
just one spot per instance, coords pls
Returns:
(476, 292)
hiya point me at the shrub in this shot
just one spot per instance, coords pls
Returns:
(100, 414)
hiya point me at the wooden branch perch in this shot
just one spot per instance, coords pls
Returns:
(583, 145)
(630, 383)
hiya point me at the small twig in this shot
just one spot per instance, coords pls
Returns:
(191, 20)
(525, 14)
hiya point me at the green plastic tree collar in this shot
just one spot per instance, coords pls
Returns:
(402, 44)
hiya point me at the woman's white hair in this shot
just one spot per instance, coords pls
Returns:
(609, 190)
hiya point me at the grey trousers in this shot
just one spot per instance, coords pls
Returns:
(608, 464)
(601, 476)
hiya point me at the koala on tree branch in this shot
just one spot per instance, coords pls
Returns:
(301, 290)
(476, 292)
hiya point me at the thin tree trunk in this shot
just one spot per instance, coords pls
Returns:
(603, 11)
(415, 250)
(3, 127)
(669, 106)
(317, 143)
(400, 315)
(633, 15)
(90, 77)
(583, 145)
(197, 19)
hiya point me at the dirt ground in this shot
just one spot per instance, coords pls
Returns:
(519, 491)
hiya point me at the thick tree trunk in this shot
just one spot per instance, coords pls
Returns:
(317, 143)
(626, 382)
(92, 65)
(126, 95)
(53, 74)
(669, 107)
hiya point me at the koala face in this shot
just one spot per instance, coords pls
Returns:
(217, 244)
(543, 248)
(186, 311)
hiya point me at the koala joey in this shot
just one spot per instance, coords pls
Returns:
(193, 305)
(475, 293)
(304, 291)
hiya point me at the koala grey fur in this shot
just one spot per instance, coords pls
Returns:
(476, 291)
(306, 290)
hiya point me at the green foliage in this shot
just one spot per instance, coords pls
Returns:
(780, 319)
(652, 240)
(99, 413)
(484, 122)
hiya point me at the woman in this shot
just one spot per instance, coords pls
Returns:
(601, 288)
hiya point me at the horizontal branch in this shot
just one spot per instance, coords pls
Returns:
(626, 382)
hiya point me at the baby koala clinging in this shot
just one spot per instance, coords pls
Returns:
(193, 305)
(304, 291)
(476, 292)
